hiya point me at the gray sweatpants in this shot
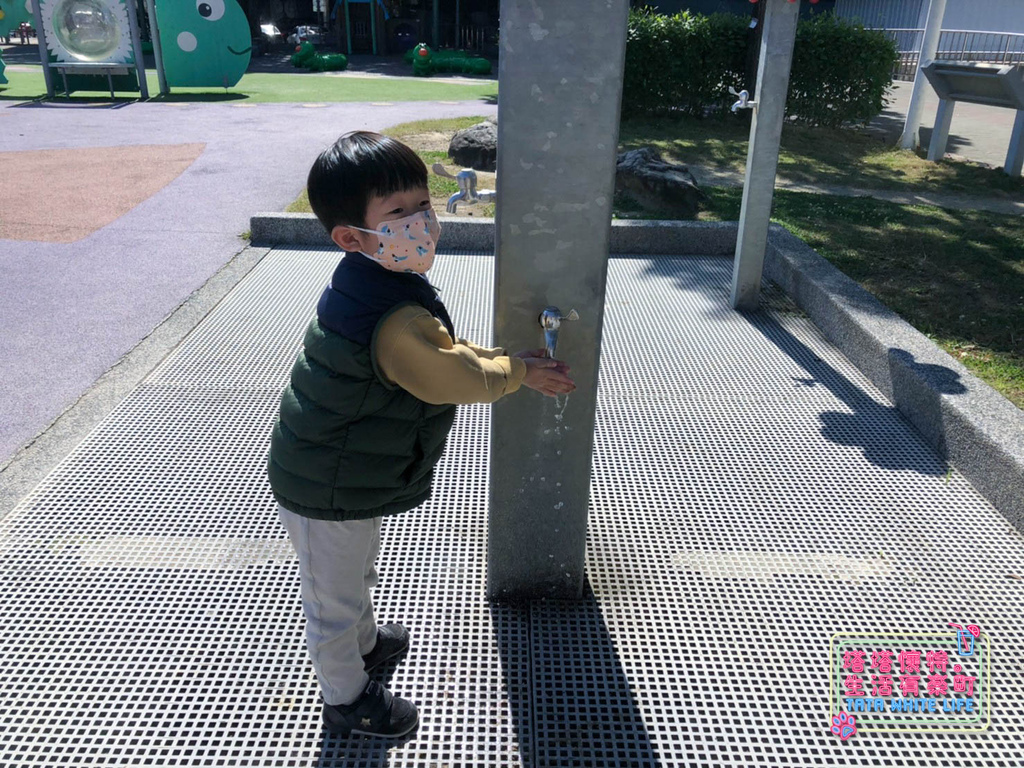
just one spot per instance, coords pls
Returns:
(337, 571)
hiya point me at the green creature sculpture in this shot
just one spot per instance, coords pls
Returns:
(204, 42)
(306, 56)
(426, 62)
(12, 14)
(421, 60)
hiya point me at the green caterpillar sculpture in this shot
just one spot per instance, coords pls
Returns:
(426, 62)
(306, 56)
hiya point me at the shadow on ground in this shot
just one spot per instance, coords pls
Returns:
(574, 705)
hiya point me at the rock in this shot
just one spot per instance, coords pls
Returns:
(655, 184)
(476, 147)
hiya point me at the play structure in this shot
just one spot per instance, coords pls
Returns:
(426, 62)
(96, 44)
(306, 56)
(13, 13)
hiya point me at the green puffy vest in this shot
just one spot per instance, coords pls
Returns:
(347, 445)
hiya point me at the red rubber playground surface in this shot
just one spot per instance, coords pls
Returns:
(85, 188)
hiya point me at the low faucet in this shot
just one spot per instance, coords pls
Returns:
(468, 193)
(551, 320)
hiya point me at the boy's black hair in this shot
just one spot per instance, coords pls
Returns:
(358, 166)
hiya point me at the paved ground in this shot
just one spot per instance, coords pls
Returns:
(752, 495)
(978, 132)
(70, 310)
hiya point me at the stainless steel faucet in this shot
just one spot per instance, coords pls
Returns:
(551, 320)
(468, 193)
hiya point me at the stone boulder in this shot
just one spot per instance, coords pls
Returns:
(476, 147)
(655, 184)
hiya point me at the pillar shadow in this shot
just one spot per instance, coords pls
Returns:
(569, 697)
(865, 427)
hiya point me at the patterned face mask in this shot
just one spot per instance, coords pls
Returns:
(408, 244)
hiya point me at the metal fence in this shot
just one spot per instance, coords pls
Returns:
(957, 45)
(470, 37)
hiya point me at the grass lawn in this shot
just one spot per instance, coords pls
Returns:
(957, 276)
(263, 87)
(848, 158)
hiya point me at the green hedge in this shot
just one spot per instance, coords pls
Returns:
(686, 63)
(841, 72)
(683, 63)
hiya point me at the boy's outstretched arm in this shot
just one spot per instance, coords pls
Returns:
(414, 351)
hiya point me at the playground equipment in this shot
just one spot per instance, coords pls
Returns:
(202, 43)
(198, 44)
(87, 41)
(995, 85)
(426, 62)
(306, 56)
(14, 13)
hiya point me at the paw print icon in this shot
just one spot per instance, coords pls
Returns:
(844, 726)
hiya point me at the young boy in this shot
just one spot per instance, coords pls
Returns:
(366, 415)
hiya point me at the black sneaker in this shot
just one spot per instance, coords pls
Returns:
(378, 712)
(392, 640)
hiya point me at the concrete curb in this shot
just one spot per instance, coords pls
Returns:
(978, 430)
(966, 421)
(466, 233)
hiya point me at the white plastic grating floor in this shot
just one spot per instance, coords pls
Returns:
(752, 495)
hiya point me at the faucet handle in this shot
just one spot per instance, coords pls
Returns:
(440, 170)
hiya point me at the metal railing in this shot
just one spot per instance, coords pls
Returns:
(469, 37)
(957, 45)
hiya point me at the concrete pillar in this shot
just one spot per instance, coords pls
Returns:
(560, 75)
(911, 138)
(1015, 154)
(777, 40)
(940, 132)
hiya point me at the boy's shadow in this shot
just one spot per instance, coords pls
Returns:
(569, 698)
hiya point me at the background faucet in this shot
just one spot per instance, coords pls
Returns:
(466, 179)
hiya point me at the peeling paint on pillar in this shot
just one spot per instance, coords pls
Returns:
(558, 110)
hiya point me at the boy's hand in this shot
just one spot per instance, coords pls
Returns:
(547, 376)
(541, 353)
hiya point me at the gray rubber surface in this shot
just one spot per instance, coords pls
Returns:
(70, 311)
(752, 495)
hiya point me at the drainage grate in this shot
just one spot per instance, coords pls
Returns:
(752, 495)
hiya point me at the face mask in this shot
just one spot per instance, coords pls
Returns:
(406, 245)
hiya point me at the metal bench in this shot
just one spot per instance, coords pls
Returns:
(996, 85)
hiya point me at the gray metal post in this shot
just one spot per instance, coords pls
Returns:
(777, 41)
(560, 91)
(1015, 154)
(140, 64)
(911, 138)
(44, 55)
(158, 49)
(940, 133)
(437, 24)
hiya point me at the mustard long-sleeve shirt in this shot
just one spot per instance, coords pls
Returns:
(415, 352)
